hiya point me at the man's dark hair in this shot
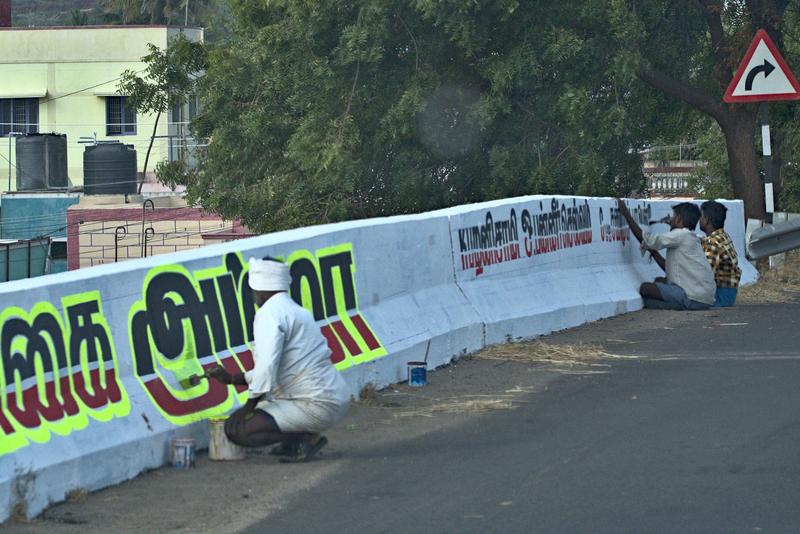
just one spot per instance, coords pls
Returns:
(689, 214)
(715, 213)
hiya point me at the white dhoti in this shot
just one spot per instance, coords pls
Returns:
(293, 415)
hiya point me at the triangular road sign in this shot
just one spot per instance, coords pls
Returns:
(763, 75)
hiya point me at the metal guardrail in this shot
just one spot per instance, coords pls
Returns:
(774, 239)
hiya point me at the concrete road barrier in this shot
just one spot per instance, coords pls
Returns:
(94, 362)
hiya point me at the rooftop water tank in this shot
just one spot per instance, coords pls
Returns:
(42, 162)
(109, 169)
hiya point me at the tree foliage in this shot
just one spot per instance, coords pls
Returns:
(147, 11)
(52, 12)
(210, 14)
(690, 49)
(330, 110)
(170, 77)
(326, 110)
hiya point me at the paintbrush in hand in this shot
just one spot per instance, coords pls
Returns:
(191, 381)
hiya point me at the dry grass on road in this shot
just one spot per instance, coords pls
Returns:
(539, 351)
(529, 352)
(779, 284)
(463, 404)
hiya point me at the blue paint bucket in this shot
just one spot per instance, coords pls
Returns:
(417, 374)
(183, 450)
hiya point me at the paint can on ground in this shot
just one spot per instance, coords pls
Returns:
(220, 447)
(183, 450)
(417, 374)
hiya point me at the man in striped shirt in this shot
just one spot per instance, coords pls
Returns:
(720, 252)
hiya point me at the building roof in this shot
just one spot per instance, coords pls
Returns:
(100, 27)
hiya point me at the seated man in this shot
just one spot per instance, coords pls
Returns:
(720, 252)
(295, 392)
(689, 284)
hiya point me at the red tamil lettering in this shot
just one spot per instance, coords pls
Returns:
(5, 425)
(337, 354)
(217, 394)
(347, 339)
(365, 332)
(102, 396)
(32, 411)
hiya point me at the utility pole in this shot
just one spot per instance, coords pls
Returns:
(10, 135)
(186, 15)
(9, 163)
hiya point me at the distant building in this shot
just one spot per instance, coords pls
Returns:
(28, 215)
(65, 79)
(668, 170)
(26, 258)
(33, 233)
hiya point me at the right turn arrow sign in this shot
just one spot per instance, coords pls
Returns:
(763, 75)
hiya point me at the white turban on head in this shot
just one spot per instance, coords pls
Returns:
(267, 275)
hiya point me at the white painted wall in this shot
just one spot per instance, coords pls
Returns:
(411, 285)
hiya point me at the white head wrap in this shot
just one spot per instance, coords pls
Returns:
(266, 275)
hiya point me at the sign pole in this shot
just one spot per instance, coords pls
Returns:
(766, 150)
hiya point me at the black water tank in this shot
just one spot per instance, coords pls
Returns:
(109, 169)
(42, 162)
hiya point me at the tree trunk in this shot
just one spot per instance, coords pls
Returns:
(147, 156)
(739, 130)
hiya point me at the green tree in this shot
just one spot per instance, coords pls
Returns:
(169, 78)
(78, 18)
(125, 11)
(713, 179)
(689, 50)
(329, 110)
(325, 110)
(158, 11)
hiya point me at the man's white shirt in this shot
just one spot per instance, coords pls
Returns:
(292, 358)
(686, 263)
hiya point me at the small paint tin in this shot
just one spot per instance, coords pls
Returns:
(219, 446)
(417, 374)
(183, 453)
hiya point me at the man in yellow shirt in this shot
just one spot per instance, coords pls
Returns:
(720, 252)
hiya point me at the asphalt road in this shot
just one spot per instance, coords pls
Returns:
(695, 429)
(699, 433)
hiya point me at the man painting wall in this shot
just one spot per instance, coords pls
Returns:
(295, 392)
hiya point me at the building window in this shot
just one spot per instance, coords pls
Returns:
(182, 145)
(19, 115)
(120, 118)
(58, 249)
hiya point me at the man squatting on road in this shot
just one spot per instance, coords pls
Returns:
(295, 392)
(689, 284)
(720, 252)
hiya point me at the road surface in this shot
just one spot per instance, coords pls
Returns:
(696, 429)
